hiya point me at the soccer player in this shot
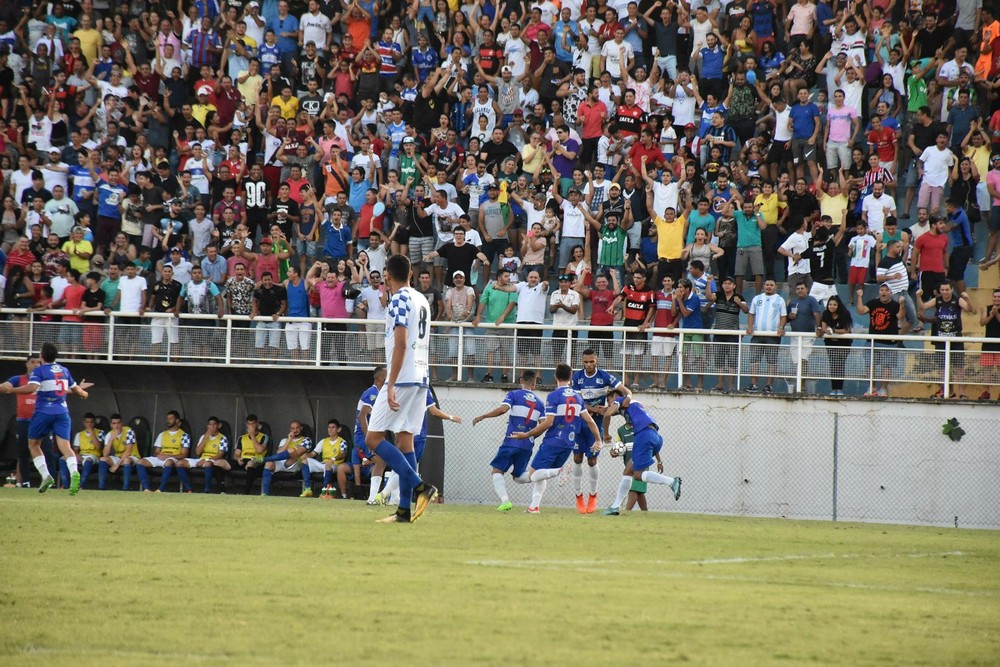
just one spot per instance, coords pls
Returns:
(402, 400)
(595, 385)
(291, 448)
(171, 447)
(210, 453)
(637, 492)
(88, 445)
(564, 409)
(25, 411)
(362, 456)
(250, 450)
(390, 494)
(525, 408)
(121, 450)
(51, 382)
(330, 458)
(645, 447)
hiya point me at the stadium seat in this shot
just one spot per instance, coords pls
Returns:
(102, 423)
(143, 434)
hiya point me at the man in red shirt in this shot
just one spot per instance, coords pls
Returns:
(591, 114)
(639, 303)
(646, 148)
(25, 411)
(601, 296)
(629, 116)
(930, 257)
(490, 55)
(883, 141)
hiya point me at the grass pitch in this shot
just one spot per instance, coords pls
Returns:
(127, 579)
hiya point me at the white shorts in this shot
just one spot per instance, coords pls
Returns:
(285, 466)
(318, 466)
(132, 460)
(410, 416)
(192, 463)
(157, 463)
(161, 324)
(822, 293)
(804, 352)
(297, 335)
(664, 346)
(89, 457)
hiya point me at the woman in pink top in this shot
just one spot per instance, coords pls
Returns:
(332, 305)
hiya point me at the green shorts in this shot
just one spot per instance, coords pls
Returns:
(638, 486)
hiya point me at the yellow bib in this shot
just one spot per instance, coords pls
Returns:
(213, 446)
(334, 450)
(247, 450)
(172, 443)
(120, 443)
(90, 445)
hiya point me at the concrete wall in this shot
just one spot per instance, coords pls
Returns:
(775, 457)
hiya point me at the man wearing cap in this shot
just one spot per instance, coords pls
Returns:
(574, 226)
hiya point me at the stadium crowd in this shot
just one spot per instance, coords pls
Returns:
(264, 158)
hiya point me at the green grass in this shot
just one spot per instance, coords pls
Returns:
(127, 579)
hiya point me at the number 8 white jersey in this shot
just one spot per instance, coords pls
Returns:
(408, 308)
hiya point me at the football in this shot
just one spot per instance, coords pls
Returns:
(618, 448)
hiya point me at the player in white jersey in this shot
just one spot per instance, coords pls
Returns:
(402, 400)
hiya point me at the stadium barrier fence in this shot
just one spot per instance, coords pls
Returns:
(799, 363)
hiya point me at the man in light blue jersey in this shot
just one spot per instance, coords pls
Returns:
(402, 401)
(596, 386)
(525, 408)
(50, 382)
(768, 314)
(390, 494)
(645, 449)
(564, 411)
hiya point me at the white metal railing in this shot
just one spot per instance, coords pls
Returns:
(461, 352)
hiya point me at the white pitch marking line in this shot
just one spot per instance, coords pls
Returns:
(705, 561)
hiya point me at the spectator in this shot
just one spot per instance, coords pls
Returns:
(883, 319)
(836, 320)
(499, 304)
(767, 315)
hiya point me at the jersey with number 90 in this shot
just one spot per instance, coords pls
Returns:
(565, 405)
(54, 382)
(408, 308)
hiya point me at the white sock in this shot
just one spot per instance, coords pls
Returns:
(500, 487)
(537, 489)
(525, 478)
(391, 484)
(376, 485)
(41, 467)
(578, 478)
(623, 486)
(594, 476)
(71, 464)
(656, 478)
(545, 473)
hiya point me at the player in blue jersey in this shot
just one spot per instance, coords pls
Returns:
(525, 408)
(596, 386)
(50, 382)
(402, 401)
(390, 494)
(645, 450)
(361, 456)
(565, 414)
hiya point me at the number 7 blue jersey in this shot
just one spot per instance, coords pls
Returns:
(526, 409)
(565, 405)
(54, 382)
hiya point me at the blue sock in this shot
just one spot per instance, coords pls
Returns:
(88, 465)
(208, 478)
(64, 473)
(280, 456)
(143, 477)
(265, 485)
(327, 478)
(167, 470)
(127, 474)
(406, 490)
(102, 475)
(306, 476)
(397, 461)
(185, 480)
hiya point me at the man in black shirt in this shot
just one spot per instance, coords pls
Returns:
(458, 256)
(166, 180)
(427, 107)
(802, 205)
(284, 211)
(255, 200)
(152, 205)
(269, 301)
(165, 297)
(497, 149)
(884, 316)
(821, 253)
(37, 189)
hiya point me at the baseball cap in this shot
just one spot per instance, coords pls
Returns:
(265, 241)
(574, 191)
(615, 186)
(175, 249)
(409, 140)
(458, 273)
(54, 149)
(97, 260)
(689, 126)
(493, 186)
(567, 276)
(994, 158)
(254, 3)
(205, 90)
(506, 70)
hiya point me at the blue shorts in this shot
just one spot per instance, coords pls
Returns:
(509, 457)
(43, 425)
(647, 444)
(359, 452)
(550, 456)
(418, 448)
(584, 441)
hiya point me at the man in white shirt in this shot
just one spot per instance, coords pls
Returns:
(314, 26)
(530, 310)
(611, 55)
(876, 207)
(446, 216)
(796, 244)
(933, 166)
(20, 180)
(564, 304)
(574, 226)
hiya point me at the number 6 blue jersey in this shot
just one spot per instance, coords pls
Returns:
(54, 382)
(526, 410)
(565, 404)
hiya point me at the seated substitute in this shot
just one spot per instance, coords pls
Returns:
(210, 453)
(88, 445)
(250, 450)
(171, 447)
(330, 458)
(121, 450)
(287, 459)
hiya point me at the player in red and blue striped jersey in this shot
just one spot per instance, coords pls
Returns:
(564, 410)
(596, 385)
(50, 383)
(526, 408)
(645, 450)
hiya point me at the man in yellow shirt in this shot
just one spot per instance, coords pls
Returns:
(671, 231)
(89, 446)
(79, 250)
(171, 447)
(329, 458)
(249, 81)
(287, 103)
(201, 108)
(90, 39)
(772, 209)
(210, 453)
(250, 450)
(121, 450)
